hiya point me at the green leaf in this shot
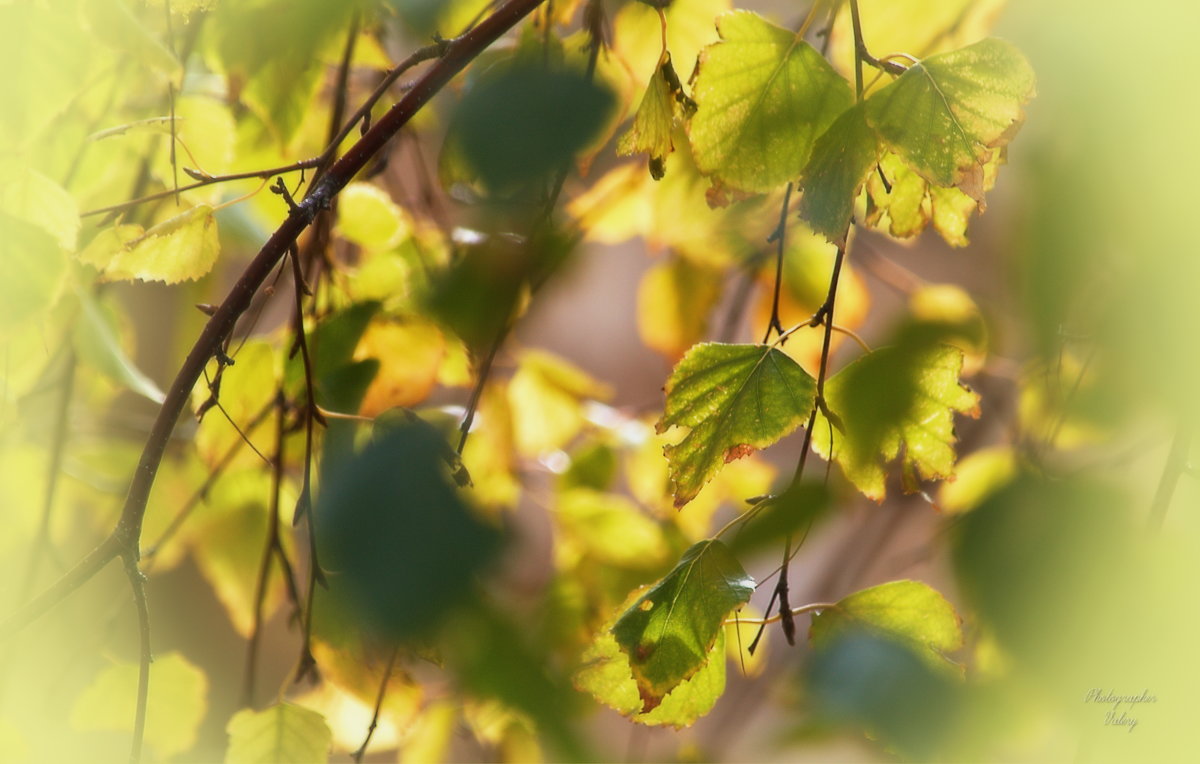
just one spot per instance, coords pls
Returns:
(605, 674)
(843, 156)
(182, 248)
(892, 400)
(670, 630)
(29, 195)
(947, 114)
(178, 692)
(524, 120)
(281, 734)
(736, 398)
(763, 97)
(651, 130)
(96, 342)
(909, 611)
(32, 269)
(395, 535)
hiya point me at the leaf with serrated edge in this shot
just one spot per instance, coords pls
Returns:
(763, 97)
(182, 248)
(907, 610)
(840, 162)
(606, 675)
(946, 114)
(899, 398)
(736, 398)
(668, 632)
(283, 732)
(650, 132)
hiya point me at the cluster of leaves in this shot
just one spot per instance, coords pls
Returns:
(361, 446)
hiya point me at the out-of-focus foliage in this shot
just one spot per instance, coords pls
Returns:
(390, 509)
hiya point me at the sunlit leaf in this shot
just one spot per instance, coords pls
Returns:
(897, 401)
(227, 536)
(547, 395)
(280, 734)
(29, 195)
(179, 693)
(840, 161)
(247, 387)
(669, 632)
(910, 203)
(606, 675)
(205, 128)
(763, 97)
(675, 299)
(914, 27)
(32, 269)
(182, 248)
(115, 24)
(909, 611)
(368, 217)
(610, 528)
(977, 476)
(947, 114)
(637, 35)
(409, 354)
(735, 399)
(653, 124)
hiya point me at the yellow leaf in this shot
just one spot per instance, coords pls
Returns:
(29, 195)
(409, 354)
(179, 702)
(674, 300)
(547, 396)
(182, 248)
(368, 217)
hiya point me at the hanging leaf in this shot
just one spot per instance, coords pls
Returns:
(843, 156)
(654, 122)
(763, 97)
(895, 401)
(736, 398)
(909, 611)
(606, 675)
(947, 114)
(32, 270)
(173, 719)
(279, 734)
(183, 248)
(910, 203)
(29, 195)
(547, 396)
(669, 631)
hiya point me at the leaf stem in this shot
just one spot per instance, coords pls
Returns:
(801, 610)
(383, 685)
(779, 236)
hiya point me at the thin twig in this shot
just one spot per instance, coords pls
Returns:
(387, 676)
(779, 236)
(137, 583)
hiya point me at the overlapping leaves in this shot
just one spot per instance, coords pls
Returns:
(763, 97)
(736, 398)
(897, 401)
(668, 633)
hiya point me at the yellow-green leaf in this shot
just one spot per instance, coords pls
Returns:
(908, 611)
(96, 342)
(32, 269)
(897, 401)
(674, 300)
(29, 195)
(368, 217)
(547, 396)
(281, 734)
(178, 693)
(651, 130)
(763, 97)
(947, 114)
(669, 632)
(182, 248)
(607, 676)
(609, 527)
(735, 399)
(843, 156)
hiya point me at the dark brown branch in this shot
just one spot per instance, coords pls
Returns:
(209, 180)
(125, 537)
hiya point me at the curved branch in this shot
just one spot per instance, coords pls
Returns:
(125, 537)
